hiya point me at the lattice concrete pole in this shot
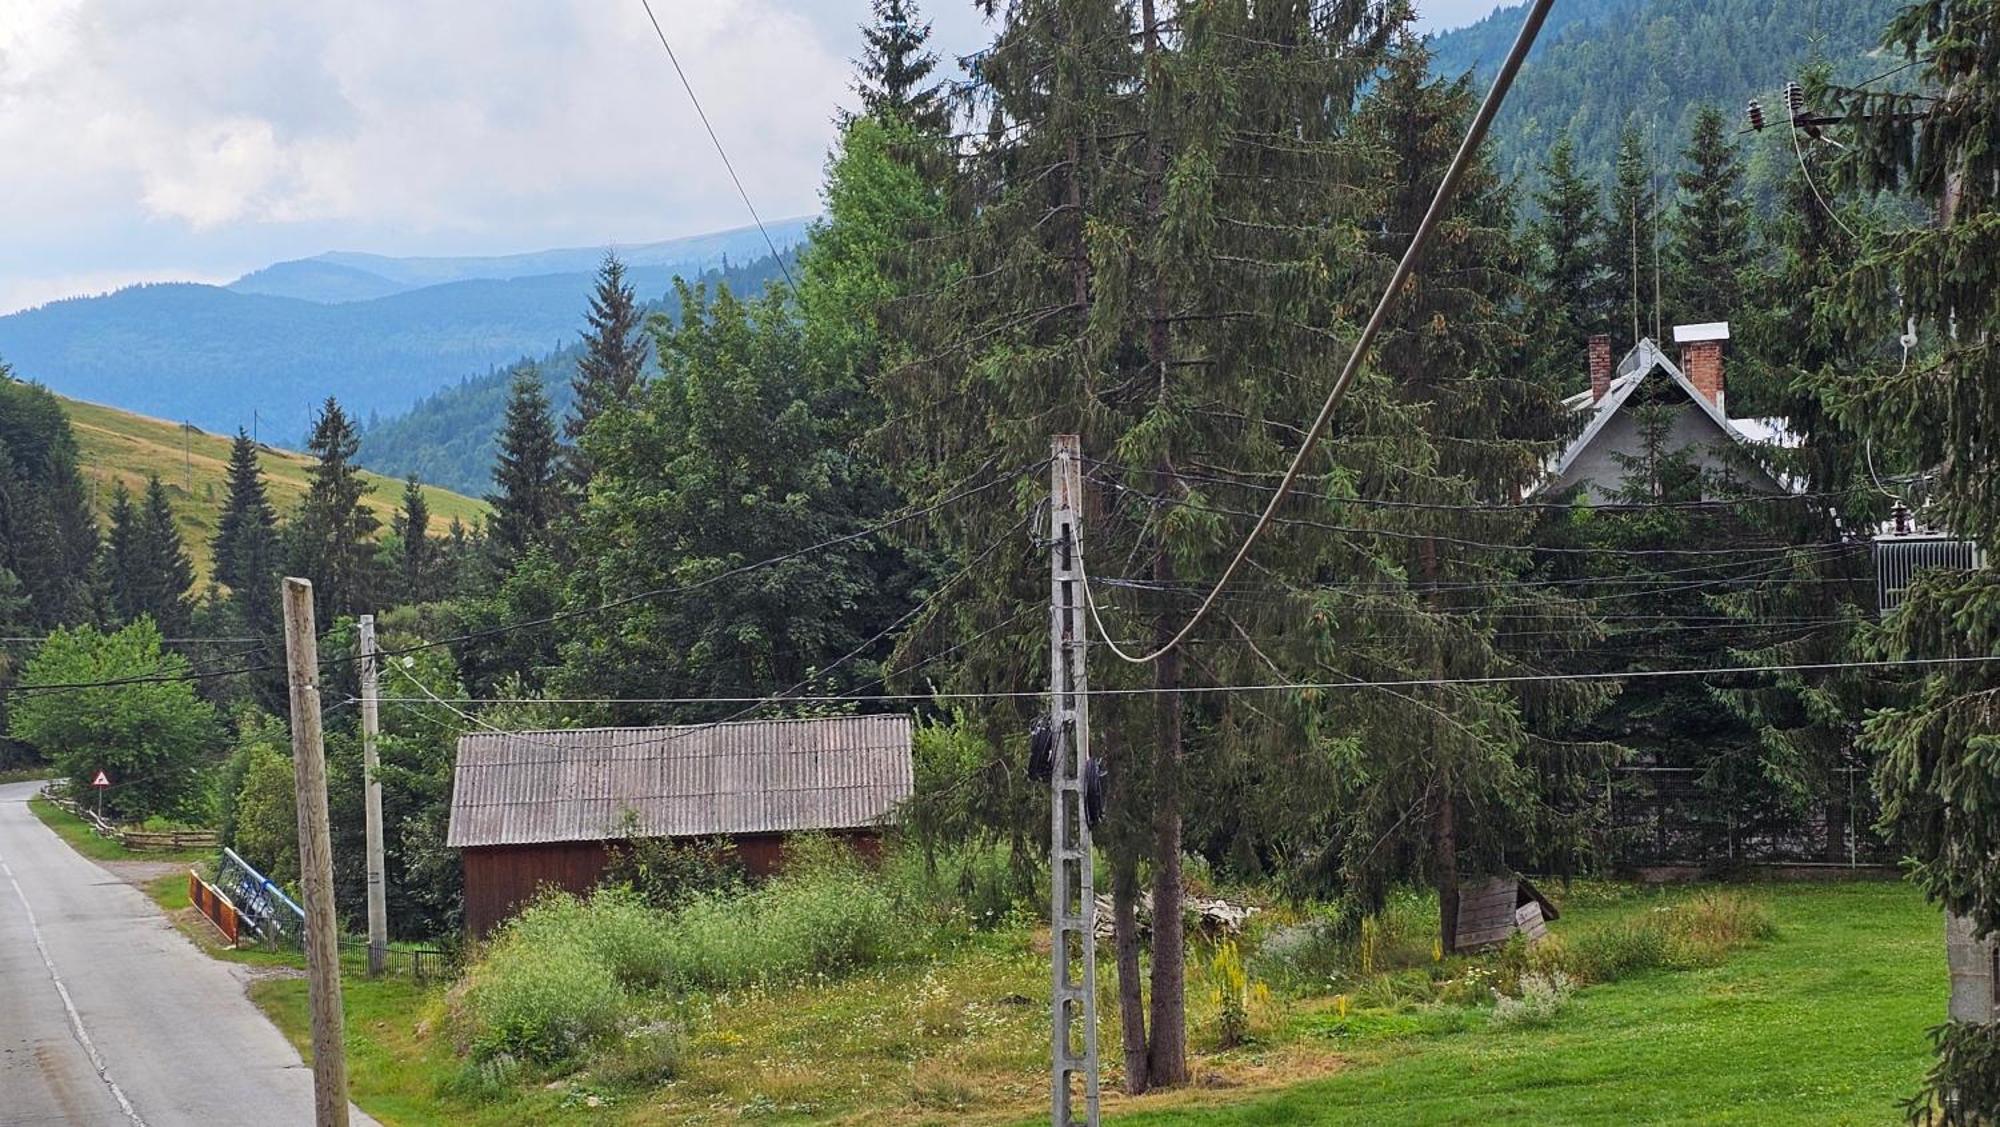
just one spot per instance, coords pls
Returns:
(329, 1050)
(1072, 899)
(371, 728)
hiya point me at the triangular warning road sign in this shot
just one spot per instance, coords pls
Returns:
(102, 780)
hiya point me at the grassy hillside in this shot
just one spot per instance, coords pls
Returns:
(117, 445)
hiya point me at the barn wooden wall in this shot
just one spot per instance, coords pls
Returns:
(500, 879)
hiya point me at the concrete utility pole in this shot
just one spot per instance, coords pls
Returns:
(371, 727)
(329, 1062)
(1073, 900)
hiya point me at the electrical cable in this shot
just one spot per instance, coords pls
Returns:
(1807, 174)
(719, 151)
(1153, 690)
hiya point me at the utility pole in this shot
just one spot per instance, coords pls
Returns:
(371, 727)
(1073, 899)
(315, 860)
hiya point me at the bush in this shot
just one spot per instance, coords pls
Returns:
(1542, 998)
(264, 819)
(614, 927)
(537, 1000)
(818, 919)
(668, 873)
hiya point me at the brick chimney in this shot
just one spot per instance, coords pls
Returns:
(1701, 358)
(1600, 367)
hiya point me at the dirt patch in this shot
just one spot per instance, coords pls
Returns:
(143, 873)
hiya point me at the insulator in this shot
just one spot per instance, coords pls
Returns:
(1756, 115)
(1041, 750)
(1795, 98)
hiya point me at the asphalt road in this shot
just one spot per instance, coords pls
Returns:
(108, 1015)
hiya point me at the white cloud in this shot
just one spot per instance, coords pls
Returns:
(26, 292)
(523, 122)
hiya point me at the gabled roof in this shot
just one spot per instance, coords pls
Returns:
(1639, 365)
(762, 776)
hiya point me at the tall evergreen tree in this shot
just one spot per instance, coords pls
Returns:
(48, 536)
(330, 538)
(526, 473)
(608, 372)
(419, 562)
(247, 550)
(166, 570)
(1631, 243)
(1153, 248)
(1569, 263)
(1708, 250)
(1464, 786)
(115, 570)
(895, 64)
(1940, 793)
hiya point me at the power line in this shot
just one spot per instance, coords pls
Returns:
(1151, 690)
(1476, 507)
(719, 150)
(1446, 190)
(1307, 522)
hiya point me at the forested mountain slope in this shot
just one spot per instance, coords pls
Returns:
(449, 437)
(1602, 63)
(114, 445)
(378, 333)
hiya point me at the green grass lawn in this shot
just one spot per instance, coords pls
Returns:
(84, 840)
(1824, 1025)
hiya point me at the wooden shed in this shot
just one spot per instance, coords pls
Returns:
(1494, 909)
(535, 809)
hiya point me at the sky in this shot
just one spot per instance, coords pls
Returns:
(203, 139)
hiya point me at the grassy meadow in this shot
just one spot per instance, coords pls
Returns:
(118, 445)
(1820, 1021)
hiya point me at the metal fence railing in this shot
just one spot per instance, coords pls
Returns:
(263, 907)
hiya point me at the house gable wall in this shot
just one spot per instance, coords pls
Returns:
(1598, 469)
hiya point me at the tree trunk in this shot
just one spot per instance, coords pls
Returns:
(1444, 839)
(1167, 1055)
(1131, 1002)
(1166, 1063)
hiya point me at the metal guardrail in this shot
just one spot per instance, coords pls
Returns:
(271, 915)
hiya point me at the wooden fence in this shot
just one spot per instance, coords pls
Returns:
(132, 838)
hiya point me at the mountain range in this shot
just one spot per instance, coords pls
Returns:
(416, 347)
(380, 333)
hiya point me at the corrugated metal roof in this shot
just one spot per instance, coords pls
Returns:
(756, 776)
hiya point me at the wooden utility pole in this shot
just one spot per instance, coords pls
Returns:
(315, 860)
(1073, 900)
(371, 727)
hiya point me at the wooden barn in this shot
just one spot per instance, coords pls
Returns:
(532, 809)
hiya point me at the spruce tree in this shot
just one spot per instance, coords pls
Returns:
(1631, 243)
(895, 64)
(165, 571)
(1939, 410)
(526, 473)
(1708, 249)
(48, 535)
(608, 372)
(117, 565)
(1569, 263)
(1155, 247)
(330, 537)
(419, 562)
(247, 549)
(1461, 785)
